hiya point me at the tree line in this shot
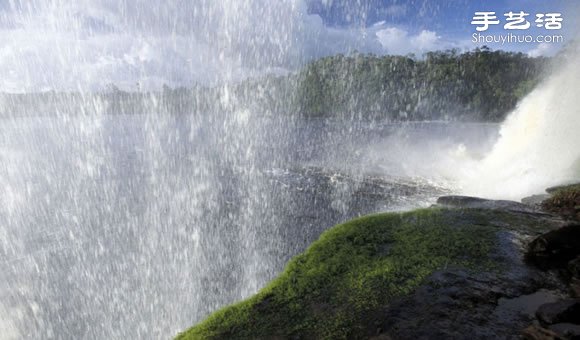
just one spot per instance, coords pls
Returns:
(479, 85)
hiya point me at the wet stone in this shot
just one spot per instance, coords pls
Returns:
(564, 311)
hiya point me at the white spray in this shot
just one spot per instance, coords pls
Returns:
(539, 143)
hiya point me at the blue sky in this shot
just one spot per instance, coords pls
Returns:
(450, 20)
(80, 44)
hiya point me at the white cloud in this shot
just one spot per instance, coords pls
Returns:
(90, 43)
(426, 41)
(399, 41)
(394, 40)
(542, 50)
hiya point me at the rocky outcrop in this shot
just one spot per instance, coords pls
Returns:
(558, 188)
(456, 271)
(564, 201)
(467, 268)
(564, 311)
(574, 267)
(536, 332)
(556, 249)
(567, 330)
(481, 203)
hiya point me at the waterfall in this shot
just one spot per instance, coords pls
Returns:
(140, 190)
(118, 217)
(539, 143)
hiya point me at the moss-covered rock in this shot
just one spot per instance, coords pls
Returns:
(565, 201)
(343, 284)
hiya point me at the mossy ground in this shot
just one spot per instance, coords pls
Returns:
(354, 269)
(565, 202)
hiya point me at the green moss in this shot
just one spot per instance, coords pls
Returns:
(565, 202)
(353, 269)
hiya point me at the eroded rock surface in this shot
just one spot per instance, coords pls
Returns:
(564, 311)
(457, 272)
(556, 248)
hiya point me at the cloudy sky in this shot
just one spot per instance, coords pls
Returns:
(86, 44)
(416, 26)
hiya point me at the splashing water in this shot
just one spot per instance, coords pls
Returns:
(142, 45)
(138, 45)
(114, 225)
(539, 143)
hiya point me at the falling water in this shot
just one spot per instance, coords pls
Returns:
(136, 214)
(130, 211)
(539, 144)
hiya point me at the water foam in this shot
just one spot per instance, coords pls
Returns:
(539, 143)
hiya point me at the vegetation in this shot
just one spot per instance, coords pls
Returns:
(355, 269)
(480, 85)
(565, 201)
(477, 85)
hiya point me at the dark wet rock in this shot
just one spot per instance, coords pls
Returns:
(574, 267)
(460, 201)
(555, 248)
(380, 337)
(455, 304)
(366, 194)
(535, 200)
(527, 304)
(567, 330)
(535, 332)
(451, 273)
(575, 288)
(481, 203)
(459, 305)
(462, 304)
(564, 311)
